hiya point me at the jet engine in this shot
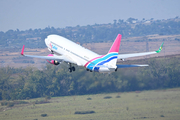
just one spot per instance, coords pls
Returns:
(54, 62)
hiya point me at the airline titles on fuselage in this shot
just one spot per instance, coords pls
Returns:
(55, 47)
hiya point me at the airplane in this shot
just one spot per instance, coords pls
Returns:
(64, 50)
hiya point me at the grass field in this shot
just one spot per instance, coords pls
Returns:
(149, 105)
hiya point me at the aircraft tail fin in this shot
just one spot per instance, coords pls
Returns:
(115, 46)
(22, 52)
(113, 52)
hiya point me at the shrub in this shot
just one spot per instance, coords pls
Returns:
(107, 97)
(118, 96)
(161, 115)
(89, 99)
(41, 102)
(10, 104)
(84, 112)
(27, 98)
(43, 115)
(4, 103)
(48, 97)
(23, 102)
(20, 102)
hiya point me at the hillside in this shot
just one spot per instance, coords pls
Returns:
(97, 33)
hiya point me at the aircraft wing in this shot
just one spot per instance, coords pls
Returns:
(46, 57)
(63, 58)
(124, 56)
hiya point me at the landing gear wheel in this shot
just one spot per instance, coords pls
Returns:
(73, 68)
(70, 69)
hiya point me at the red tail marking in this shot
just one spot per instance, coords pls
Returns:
(22, 52)
(116, 44)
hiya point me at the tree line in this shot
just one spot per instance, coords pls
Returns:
(90, 33)
(29, 82)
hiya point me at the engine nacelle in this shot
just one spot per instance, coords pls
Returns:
(54, 62)
(104, 69)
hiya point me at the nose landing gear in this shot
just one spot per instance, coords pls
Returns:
(71, 68)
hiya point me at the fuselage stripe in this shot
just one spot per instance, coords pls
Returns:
(93, 60)
(101, 60)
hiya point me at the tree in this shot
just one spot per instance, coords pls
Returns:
(130, 20)
(120, 21)
(115, 21)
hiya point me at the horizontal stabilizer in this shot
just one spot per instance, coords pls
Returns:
(126, 66)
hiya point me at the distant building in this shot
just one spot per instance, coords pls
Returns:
(134, 21)
(147, 22)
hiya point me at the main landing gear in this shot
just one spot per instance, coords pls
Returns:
(89, 70)
(71, 68)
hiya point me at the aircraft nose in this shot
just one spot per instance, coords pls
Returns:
(47, 41)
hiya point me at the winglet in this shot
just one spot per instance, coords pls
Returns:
(116, 44)
(22, 52)
(160, 48)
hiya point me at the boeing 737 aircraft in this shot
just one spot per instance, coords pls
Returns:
(64, 50)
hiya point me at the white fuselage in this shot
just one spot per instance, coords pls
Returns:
(78, 54)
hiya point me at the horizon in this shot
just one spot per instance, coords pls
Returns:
(82, 25)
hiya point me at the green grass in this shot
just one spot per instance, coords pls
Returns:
(149, 105)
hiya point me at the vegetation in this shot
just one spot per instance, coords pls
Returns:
(89, 98)
(154, 105)
(90, 33)
(107, 97)
(11, 104)
(44, 115)
(118, 96)
(26, 83)
(84, 112)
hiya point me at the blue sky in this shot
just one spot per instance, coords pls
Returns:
(26, 14)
